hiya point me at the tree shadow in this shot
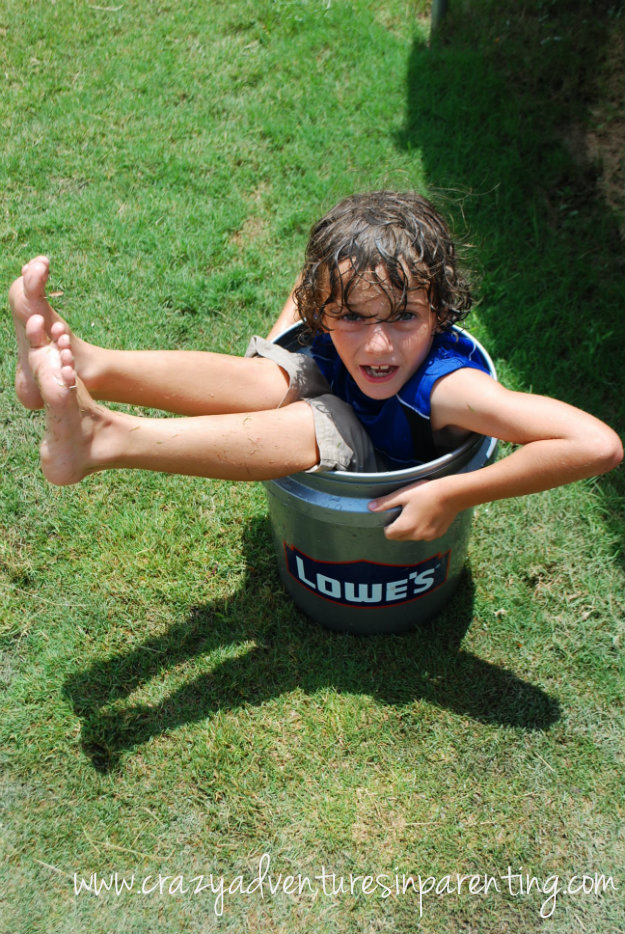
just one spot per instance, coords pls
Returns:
(499, 108)
(278, 650)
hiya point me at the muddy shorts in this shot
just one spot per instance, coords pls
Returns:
(342, 441)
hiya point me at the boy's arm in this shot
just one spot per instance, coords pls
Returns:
(560, 444)
(288, 316)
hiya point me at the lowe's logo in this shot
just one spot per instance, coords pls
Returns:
(365, 584)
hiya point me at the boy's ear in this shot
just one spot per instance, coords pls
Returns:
(440, 320)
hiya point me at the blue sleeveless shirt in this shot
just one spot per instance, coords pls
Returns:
(399, 427)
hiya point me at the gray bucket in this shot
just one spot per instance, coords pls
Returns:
(333, 557)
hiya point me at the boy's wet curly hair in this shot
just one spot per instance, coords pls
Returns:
(400, 233)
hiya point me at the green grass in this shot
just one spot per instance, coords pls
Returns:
(166, 709)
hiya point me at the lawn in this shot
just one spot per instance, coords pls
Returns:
(175, 733)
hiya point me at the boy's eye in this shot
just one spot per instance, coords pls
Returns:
(406, 316)
(347, 318)
(351, 316)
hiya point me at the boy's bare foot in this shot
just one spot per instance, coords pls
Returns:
(27, 297)
(72, 417)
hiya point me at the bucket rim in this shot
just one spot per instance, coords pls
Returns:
(408, 474)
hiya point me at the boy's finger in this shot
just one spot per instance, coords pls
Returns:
(398, 530)
(385, 502)
(398, 498)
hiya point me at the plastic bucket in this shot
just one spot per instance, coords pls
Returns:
(333, 557)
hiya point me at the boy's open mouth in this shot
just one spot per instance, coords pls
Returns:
(379, 373)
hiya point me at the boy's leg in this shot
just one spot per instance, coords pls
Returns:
(183, 382)
(83, 437)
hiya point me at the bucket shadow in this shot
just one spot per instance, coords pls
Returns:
(262, 653)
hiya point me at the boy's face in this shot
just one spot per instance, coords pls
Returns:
(379, 354)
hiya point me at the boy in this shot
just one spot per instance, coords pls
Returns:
(379, 291)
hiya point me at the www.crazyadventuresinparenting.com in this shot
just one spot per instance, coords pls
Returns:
(265, 884)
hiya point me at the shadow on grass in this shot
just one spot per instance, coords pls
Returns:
(500, 112)
(290, 653)
(503, 109)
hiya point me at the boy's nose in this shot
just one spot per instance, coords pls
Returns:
(378, 338)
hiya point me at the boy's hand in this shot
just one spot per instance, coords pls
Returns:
(424, 513)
